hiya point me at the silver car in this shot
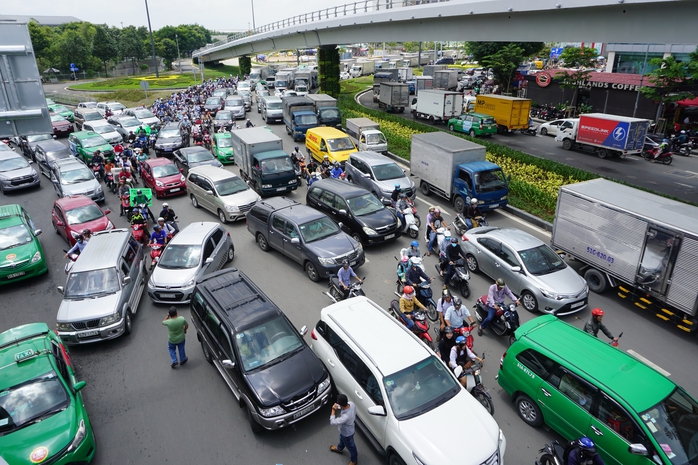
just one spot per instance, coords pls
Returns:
(104, 129)
(221, 192)
(378, 174)
(530, 268)
(236, 105)
(15, 172)
(200, 248)
(71, 177)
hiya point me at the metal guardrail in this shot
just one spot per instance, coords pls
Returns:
(354, 8)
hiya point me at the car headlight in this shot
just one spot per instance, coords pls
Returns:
(501, 440)
(190, 283)
(107, 320)
(110, 226)
(292, 181)
(231, 209)
(182, 178)
(64, 327)
(549, 294)
(502, 198)
(79, 437)
(369, 231)
(36, 257)
(323, 386)
(326, 261)
(272, 412)
(360, 248)
(159, 183)
(98, 190)
(266, 186)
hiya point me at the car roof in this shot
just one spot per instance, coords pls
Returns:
(74, 201)
(51, 145)
(215, 173)
(62, 162)
(614, 370)
(172, 125)
(10, 210)
(516, 238)
(190, 150)
(101, 251)
(84, 134)
(340, 187)
(372, 330)
(222, 135)
(291, 209)
(7, 154)
(159, 161)
(479, 115)
(327, 132)
(372, 157)
(19, 340)
(194, 233)
(89, 110)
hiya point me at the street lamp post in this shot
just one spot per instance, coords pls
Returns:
(179, 60)
(253, 25)
(152, 42)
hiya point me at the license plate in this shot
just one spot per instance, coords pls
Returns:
(16, 275)
(305, 411)
(176, 189)
(280, 189)
(167, 150)
(578, 304)
(167, 296)
(494, 206)
(353, 263)
(389, 236)
(88, 334)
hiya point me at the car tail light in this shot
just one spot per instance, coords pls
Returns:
(501, 360)
(464, 237)
(481, 125)
(312, 334)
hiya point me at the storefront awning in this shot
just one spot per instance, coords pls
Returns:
(688, 103)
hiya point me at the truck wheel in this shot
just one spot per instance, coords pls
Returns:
(596, 280)
(288, 130)
(459, 204)
(567, 144)
(402, 110)
(451, 127)
(424, 187)
(602, 153)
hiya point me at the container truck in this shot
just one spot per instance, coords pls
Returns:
(404, 74)
(326, 110)
(429, 70)
(345, 65)
(456, 169)
(423, 82)
(510, 113)
(366, 135)
(446, 79)
(643, 245)
(410, 61)
(362, 68)
(607, 135)
(394, 96)
(437, 105)
(299, 116)
(385, 75)
(282, 81)
(305, 77)
(262, 161)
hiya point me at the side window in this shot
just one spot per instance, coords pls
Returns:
(129, 254)
(224, 341)
(315, 193)
(327, 198)
(208, 248)
(489, 244)
(537, 363)
(576, 389)
(349, 359)
(508, 256)
(125, 268)
(193, 178)
(60, 362)
(465, 177)
(59, 213)
(620, 421)
(290, 230)
(205, 184)
(217, 236)
(339, 203)
(197, 303)
(278, 223)
(369, 383)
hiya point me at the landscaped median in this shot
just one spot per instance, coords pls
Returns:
(534, 181)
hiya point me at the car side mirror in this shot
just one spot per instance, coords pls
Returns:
(516, 269)
(54, 136)
(340, 224)
(107, 211)
(127, 280)
(323, 149)
(181, 170)
(37, 232)
(303, 331)
(228, 363)
(60, 289)
(209, 192)
(386, 202)
(342, 212)
(58, 223)
(209, 260)
(638, 449)
(377, 410)
(79, 385)
(295, 240)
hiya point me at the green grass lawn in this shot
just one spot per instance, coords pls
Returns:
(166, 81)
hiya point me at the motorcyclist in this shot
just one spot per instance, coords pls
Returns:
(169, 215)
(79, 246)
(453, 253)
(343, 177)
(415, 274)
(411, 251)
(326, 166)
(401, 205)
(166, 228)
(584, 452)
(472, 212)
(312, 179)
(124, 191)
(462, 356)
(663, 147)
(310, 168)
(682, 138)
(446, 344)
(158, 236)
(138, 218)
(396, 193)
(131, 137)
(455, 315)
(594, 325)
(297, 156)
(336, 171)
(249, 124)
(141, 156)
(344, 276)
(402, 267)
(407, 304)
(142, 200)
(495, 295)
(435, 222)
(98, 161)
(87, 234)
(443, 249)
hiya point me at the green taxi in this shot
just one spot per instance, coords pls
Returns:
(21, 254)
(84, 144)
(474, 124)
(57, 109)
(223, 147)
(42, 414)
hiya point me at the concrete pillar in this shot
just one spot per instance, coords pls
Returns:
(609, 61)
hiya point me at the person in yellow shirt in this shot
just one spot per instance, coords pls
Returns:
(408, 301)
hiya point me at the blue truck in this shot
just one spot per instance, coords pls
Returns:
(299, 116)
(457, 170)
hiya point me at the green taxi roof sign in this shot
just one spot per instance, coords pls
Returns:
(24, 355)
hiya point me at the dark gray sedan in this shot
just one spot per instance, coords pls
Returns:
(190, 157)
(47, 152)
(15, 172)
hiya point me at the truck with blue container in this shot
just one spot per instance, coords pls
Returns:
(299, 116)
(456, 169)
(606, 135)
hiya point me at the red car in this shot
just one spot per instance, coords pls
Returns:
(163, 177)
(71, 215)
(61, 126)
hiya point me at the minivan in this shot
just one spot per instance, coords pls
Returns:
(221, 192)
(379, 174)
(103, 289)
(272, 109)
(579, 385)
(323, 140)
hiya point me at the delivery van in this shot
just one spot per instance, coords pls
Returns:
(336, 144)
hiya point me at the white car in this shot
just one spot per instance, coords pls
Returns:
(115, 107)
(405, 396)
(551, 128)
(289, 93)
(244, 85)
(104, 129)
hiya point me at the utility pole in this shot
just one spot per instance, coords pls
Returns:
(152, 42)
(179, 60)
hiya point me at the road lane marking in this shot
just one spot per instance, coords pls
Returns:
(685, 185)
(512, 217)
(648, 362)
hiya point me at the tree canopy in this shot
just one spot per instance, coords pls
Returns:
(480, 50)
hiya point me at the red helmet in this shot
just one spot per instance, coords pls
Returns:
(408, 290)
(597, 312)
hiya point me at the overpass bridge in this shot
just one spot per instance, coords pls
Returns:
(645, 21)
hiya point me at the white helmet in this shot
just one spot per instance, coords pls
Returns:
(447, 233)
(473, 201)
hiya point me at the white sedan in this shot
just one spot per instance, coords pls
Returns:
(551, 128)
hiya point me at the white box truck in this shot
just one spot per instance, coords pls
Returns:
(437, 105)
(394, 96)
(362, 68)
(366, 135)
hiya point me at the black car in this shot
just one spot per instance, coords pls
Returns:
(171, 137)
(47, 152)
(264, 360)
(358, 211)
(213, 104)
(190, 157)
(223, 119)
(444, 61)
(27, 143)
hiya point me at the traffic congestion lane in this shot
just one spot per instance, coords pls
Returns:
(680, 179)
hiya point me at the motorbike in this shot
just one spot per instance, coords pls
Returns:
(97, 170)
(138, 231)
(126, 205)
(412, 222)
(531, 130)
(207, 141)
(110, 183)
(460, 277)
(440, 234)
(421, 325)
(665, 158)
(424, 294)
(460, 223)
(336, 293)
(553, 454)
(417, 260)
(506, 319)
(474, 383)
(155, 252)
(299, 168)
(152, 138)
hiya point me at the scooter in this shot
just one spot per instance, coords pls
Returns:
(460, 223)
(467, 333)
(506, 319)
(126, 205)
(336, 293)
(460, 277)
(474, 383)
(665, 158)
(531, 130)
(138, 231)
(412, 222)
(424, 294)
(299, 168)
(109, 182)
(155, 252)
(420, 327)
(553, 454)
(440, 234)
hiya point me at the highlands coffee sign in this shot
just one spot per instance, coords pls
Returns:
(545, 79)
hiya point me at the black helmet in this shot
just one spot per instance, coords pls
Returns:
(456, 301)
(454, 240)
(345, 262)
(500, 282)
(139, 192)
(86, 232)
(79, 237)
(296, 148)
(448, 329)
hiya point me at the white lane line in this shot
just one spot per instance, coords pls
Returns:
(648, 362)
(524, 222)
(685, 185)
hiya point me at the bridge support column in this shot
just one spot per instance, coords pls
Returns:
(328, 69)
(245, 63)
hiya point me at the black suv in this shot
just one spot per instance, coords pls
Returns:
(171, 137)
(356, 210)
(260, 355)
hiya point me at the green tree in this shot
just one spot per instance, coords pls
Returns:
(104, 47)
(581, 61)
(167, 49)
(504, 63)
(41, 37)
(673, 80)
(131, 46)
(245, 63)
(480, 50)
(72, 47)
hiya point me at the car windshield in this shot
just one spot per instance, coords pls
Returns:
(164, 170)
(330, 113)
(143, 114)
(365, 204)
(306, 119)
(213, 101)
(82, 174)
(224, 142)
(237, 102)
(488, 120)
(91, 284)
(490, 181)
(386, 172)
(94, 141)
(115, 106)
(65, 153)
(420, 388)
(103, 128)
(169, 134)
(224, 115)
(60, 109)
(38, 137)
(318, 229)
(13, 163)
(55, 118)
(541, 260)
(377, 138)
(31, 401)
(674, 424)
(230, 186)
(201, 155)
(273, 105)
(92, 116)
(277, 165)
(343, 143)
(13, 236)
(83, 214)
(267, 344)
(178, 257)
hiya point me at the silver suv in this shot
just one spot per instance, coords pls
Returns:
(378, 174)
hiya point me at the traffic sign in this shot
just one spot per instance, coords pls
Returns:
(145, 84)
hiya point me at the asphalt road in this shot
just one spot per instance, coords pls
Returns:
(145, 412)
(680, 179)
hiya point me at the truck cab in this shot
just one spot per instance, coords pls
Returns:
(482, 180)
(273, 173)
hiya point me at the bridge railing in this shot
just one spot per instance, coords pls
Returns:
(339, 11)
